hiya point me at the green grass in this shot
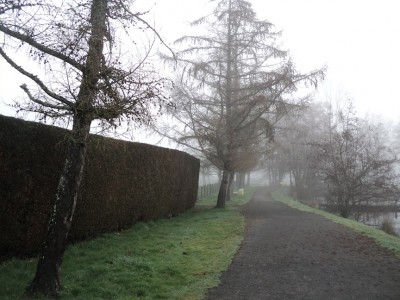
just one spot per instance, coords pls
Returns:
(385, 240)
(178, 258)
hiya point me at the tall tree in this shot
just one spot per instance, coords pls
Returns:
(84, 78)
(233, 80)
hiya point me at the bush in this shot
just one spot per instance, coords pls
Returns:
(388, 226)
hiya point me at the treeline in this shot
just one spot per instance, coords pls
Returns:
(332, 153)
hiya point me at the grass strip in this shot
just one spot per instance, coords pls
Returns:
(178, 258)
(385, 240)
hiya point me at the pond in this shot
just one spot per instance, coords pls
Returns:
(376, 218)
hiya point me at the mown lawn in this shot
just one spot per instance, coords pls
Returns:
(178, 258)
(385, 240)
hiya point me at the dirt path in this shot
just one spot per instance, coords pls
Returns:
(289, 254)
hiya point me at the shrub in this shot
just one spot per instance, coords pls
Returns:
(388, 226)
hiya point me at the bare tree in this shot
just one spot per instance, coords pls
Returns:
(274, 161)
(233, 81)
(85, 78)
(354, 162)
(295, 142)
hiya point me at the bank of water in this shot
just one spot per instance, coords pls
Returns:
(376, 219)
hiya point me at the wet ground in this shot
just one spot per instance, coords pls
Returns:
(289, 254)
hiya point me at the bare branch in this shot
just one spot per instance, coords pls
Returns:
(32, 42)
(45, 104)
(36, 80)
(137, 16)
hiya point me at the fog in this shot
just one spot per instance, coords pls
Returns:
(357, 40)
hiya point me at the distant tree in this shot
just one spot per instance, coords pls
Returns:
(395, 138)
(275, 162)
(355, 163)
(247, 161)
(234, 81)
(296, 149)
(78, 46)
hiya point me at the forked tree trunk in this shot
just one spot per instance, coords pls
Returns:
(47, 278)
(223, 189)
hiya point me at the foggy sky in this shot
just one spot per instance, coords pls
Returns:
(358, 40)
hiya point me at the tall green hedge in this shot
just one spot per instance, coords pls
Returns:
(123, 183)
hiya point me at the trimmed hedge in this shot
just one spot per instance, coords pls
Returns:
(123, 183)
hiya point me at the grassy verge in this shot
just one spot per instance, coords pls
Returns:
(388, 241)
(178, 258)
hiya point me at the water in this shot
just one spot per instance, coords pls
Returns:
(375, 219)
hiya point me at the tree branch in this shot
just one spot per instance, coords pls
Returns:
(45, 104)
(36, 80)
(27, 39)
(136, 16)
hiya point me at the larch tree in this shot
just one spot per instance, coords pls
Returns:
(234, 80)
(78, 45)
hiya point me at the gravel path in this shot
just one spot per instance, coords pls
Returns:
(289, 254)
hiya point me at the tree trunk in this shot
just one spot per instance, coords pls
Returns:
(223, 190)
(300, 193)
(230, 186)
(291, 184)
(248, 179)
(47, 278)
(241, 178)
